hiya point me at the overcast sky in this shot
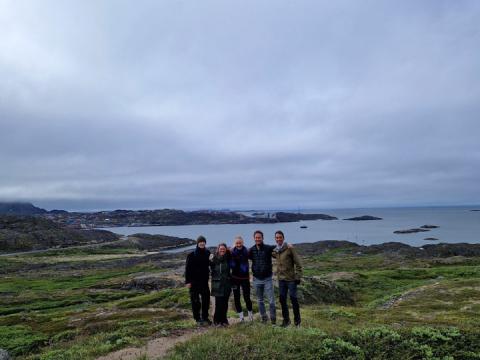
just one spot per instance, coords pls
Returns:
(239, 104)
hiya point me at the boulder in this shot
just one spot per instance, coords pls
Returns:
(4, 355)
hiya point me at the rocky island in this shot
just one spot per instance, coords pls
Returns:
(117, 218)
(364, 218)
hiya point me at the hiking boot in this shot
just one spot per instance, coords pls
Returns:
(274, 321)
(285, 323)
(297, 323)
(264, 319)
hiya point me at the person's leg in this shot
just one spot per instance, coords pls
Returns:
(236, 296)
(283, 290)
(195, 300)
(246, 294)
(225, 308)
(259, 290)
(218, 310)
(292, 286)
(269, 291)
(205, 303)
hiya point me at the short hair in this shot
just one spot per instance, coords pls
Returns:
(258, 232)
(201, 238)
(280, 232)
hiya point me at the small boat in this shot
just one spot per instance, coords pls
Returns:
(303, 227)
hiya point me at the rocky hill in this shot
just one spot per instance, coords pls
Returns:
(19, 208)
(24, 233)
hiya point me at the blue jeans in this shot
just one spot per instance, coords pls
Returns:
(286, 287)
(265, 288)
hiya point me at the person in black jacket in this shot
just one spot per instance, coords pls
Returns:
(197, 273)
(261, 256)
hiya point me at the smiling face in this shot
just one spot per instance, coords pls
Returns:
(222, 250)
(238, 243)
(279, 239)
(202, 245)
(258, 239)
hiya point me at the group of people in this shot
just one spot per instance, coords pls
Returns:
(229, 270)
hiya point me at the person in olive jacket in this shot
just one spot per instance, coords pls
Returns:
(289, 273)
(221, 283)
(197, 273)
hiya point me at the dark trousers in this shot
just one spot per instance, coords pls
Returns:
(221, 308)
(197, 293)
(245, 286)
(286, 287)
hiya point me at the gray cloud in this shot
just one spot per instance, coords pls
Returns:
(239, 104)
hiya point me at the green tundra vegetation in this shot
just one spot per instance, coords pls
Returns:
(382, 304)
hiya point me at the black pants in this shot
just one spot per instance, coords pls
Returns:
(197, 293)
(286, 287)
(245, 286)
(221, 308)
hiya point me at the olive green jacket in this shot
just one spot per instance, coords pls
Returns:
(289, 265)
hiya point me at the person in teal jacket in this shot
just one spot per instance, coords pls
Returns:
(221, 283)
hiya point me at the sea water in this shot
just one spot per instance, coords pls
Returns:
(456, 224)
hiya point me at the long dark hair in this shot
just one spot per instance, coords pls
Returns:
(227, 252)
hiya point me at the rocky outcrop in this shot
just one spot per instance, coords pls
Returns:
(320, 247)
(4, 355)
(431, 239)
(429, 227)
(24, 233)
(364, 218)
(19, 208)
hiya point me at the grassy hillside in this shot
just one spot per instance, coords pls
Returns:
(367, 303)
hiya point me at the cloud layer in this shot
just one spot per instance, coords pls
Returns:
(239, 104)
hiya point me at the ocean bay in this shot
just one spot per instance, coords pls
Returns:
(456, 225)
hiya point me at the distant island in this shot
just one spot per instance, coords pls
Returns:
(364, 218)
(118, 218)
(422, 228)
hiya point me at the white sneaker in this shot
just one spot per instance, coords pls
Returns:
(250, 316)
(240, 316)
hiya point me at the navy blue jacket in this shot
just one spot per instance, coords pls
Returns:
(261, 261)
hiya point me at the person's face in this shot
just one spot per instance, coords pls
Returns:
(221, 250)
(239, 243)
(279, 239)
(201, 245)
(258, 239)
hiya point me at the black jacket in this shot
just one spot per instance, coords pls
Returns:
(261, 260)
(197, 268)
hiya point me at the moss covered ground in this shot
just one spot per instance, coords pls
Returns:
(402, 308)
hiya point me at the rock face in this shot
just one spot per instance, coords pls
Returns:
(364, 218)
(4, 355)
(18, 208)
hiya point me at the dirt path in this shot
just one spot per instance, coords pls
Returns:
(409, 294)
(154, 349)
